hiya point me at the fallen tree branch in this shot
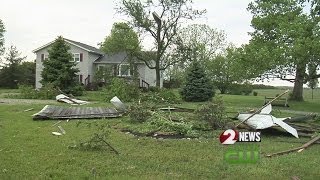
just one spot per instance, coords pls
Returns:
(299, 149)
(109, 145)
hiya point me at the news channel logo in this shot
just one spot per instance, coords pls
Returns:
(245, 151)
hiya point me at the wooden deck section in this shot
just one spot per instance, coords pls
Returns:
(65, 112)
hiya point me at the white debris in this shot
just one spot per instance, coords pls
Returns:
(118, 104)
(66, 99)
(57, 133)
(264, 120)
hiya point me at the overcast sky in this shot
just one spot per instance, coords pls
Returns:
(33, 23)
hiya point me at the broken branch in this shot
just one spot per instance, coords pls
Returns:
(299, 149)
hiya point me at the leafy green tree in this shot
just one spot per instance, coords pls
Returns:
(163, 28)
(285, 40)
(121, 39)
(11, 73)
(28, 73)
(227, 68)
(103, 75)
(59, 69)
(197, 42)
(198, 87)
(2, 31)
(219, 70)
(200, 42)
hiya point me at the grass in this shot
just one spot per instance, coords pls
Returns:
(29, 151)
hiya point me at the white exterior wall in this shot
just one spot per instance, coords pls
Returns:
(82, 66)
(150, 76)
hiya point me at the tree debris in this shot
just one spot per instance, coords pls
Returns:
(298, 149)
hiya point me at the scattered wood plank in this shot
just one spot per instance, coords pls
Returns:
(298, 149)
(63, 112)
(62, 130)
(28, 109)
(56, 123)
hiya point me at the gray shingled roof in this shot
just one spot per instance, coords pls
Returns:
(84, 46)
(112, 58)
(91, 48)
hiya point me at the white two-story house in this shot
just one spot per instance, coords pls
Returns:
(89, 59)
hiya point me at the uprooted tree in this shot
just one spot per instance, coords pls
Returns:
(162, 26)
(286, 39)
(59, 69)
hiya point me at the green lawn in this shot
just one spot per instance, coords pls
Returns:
(29, 151)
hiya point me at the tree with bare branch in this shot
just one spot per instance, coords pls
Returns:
(162, 26)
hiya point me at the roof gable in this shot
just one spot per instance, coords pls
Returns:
(75, 43)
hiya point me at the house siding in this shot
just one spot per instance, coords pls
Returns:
(82, 66)
(90, 61)
(150, 77)
(90, 66)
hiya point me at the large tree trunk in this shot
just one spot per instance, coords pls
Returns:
(297, 93)
(157, 74)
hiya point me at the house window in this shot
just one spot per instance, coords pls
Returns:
(79, 78)
(101, 67)
(44, 57)
(76, 57)
(124, 70)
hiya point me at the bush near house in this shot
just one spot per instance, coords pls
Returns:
(124, 90)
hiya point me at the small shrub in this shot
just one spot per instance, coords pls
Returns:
(168, 96)
(27, 92)
(213, 113)
(139, 112)
(123, 90)
(241, 89)
(47, 91)
(77, 90)
(255, 93)
(154, 89)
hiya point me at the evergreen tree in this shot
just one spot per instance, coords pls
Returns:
(11, 72)
(59, 69)
(198, 87)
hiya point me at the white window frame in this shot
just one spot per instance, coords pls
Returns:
(46, 57)
(126, 75)
(74, 58)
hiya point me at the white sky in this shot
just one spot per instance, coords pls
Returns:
(33, 23)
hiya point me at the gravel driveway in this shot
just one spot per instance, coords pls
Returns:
(26, 101)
